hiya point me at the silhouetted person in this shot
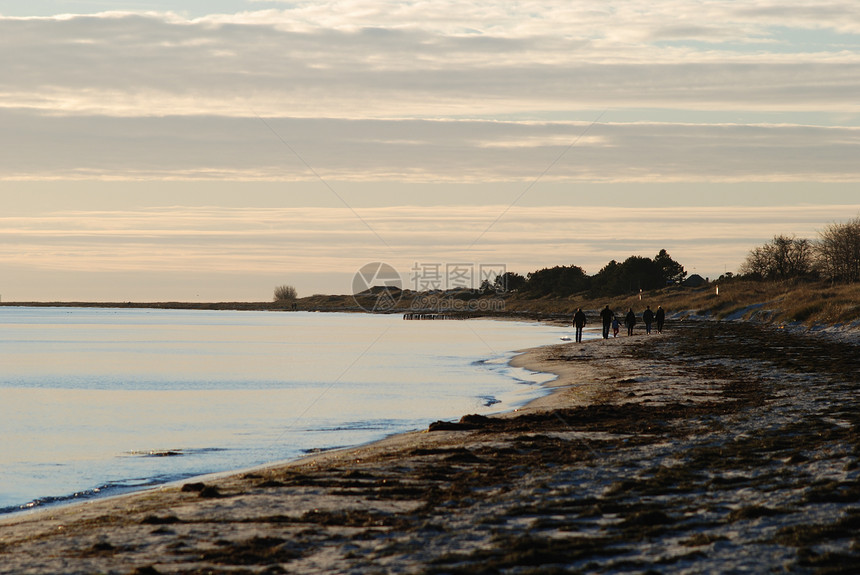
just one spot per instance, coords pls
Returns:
(606, 315)
(648, 318)
(579, 322)
(661, 318)
(630, 321)
(615, 326)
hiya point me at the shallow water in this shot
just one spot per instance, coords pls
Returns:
(98, 401)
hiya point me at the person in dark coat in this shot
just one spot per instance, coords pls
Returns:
(606, 315)
(579, 322)
(630, 321)
(661, 318)
(648, 318)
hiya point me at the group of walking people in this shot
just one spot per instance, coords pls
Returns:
(610, 320)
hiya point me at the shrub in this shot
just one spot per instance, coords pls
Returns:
(285, 293)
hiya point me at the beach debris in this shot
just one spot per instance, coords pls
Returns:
(444, 426)
(471, 421)
(205, 491)
(253, 551)
(192, 487)
(210, 492)
(160, 520)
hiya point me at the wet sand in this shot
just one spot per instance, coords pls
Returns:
(716, 447)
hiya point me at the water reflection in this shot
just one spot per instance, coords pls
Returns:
(85, 392)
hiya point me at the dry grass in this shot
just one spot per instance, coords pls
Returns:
(804, 302)
(809, 303)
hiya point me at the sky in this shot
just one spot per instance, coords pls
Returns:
(212, 150)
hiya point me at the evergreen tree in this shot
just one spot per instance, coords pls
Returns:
(671, 270)
(559, 281)
(508, 282)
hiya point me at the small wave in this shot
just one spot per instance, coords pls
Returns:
(376, 425)
(356, 427)
(494, 361)
(110, 488)
(489, 400)
(157, 453)
(173, 452)
(313, 450)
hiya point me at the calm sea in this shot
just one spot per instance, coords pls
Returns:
(100, 401)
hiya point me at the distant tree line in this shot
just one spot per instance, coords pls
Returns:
(834, 256)
(614, 278)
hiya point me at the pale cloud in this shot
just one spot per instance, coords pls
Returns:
(382, 59)
(211, 148)
(628, 18)
(517, 97)
(325, 240)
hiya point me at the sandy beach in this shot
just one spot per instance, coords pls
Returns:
(715, 447)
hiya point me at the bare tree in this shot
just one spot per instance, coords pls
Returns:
(838, 252)
(285, 293)
(757, 263)
(781, 258)
(792, 257)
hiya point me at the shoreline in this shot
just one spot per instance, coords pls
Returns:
(46, 522)
(504, 390)
(529, 359)
(56, 507)
(705, 449)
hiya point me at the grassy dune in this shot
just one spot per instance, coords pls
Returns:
(808, 303)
